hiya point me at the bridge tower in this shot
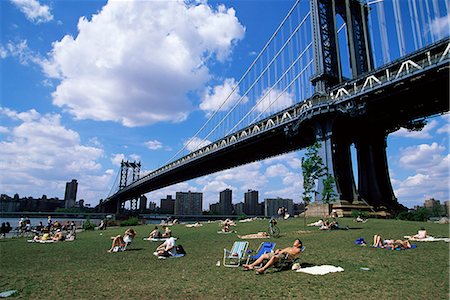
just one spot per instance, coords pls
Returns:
(125, 167)
(335, 137)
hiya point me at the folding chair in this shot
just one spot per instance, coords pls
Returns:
(233, 257)
(264, 247)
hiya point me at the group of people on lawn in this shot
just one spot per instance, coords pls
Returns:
(54, 231)
(288, 254)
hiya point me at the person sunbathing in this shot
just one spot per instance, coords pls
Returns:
(286, 254)
(318, 223)
(259, 235)
(119, 242)
(155, 233)
(421, 234)
(197, 224)
(167, 248)
(59, 236)
(378, 242)
(167, 232)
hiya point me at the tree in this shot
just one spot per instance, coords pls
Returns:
(328, 193)
(312, 169)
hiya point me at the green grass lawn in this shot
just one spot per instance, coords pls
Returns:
(84, 270)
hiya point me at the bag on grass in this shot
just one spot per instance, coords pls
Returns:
(180, 250)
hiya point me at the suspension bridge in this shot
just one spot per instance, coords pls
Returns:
(337, 72)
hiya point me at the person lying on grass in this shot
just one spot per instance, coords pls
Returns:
(167, 248)
(259, 235)
(287, 254)
(378, 242)
(119, 242)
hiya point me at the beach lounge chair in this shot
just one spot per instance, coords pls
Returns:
(233, 257)
(264, 247)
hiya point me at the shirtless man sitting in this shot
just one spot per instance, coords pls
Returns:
(289, 253)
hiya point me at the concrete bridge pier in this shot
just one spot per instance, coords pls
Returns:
(335, 154)
(374, 184)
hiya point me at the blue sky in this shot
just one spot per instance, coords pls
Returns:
(85, 84)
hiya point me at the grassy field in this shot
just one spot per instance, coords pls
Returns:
(84, 270)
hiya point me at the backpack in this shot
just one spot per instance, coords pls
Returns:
(180, 249)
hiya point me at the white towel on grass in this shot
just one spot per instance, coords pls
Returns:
(320, 270)
(428, 239)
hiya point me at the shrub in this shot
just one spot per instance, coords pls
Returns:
(88, 225)
(362, 214)
(133, 221)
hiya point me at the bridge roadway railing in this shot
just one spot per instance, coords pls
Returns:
(433, 56)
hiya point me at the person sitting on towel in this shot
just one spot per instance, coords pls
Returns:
(119, 242)
(59, 236)
(289, 253)
(167, 248)
(167, 232)
(420, 235)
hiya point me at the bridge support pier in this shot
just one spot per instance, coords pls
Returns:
(335, 154)
(374, 184)
(324, 132)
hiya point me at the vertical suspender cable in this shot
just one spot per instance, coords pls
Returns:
(437, 15)
(372, 34)
(424, 23)
(413, 27)
(417, 24)
(399, 27)
(383, 33)
(429, 21)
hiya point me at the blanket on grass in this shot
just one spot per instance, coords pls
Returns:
(157, 239)
(428, 239)
(320, 270)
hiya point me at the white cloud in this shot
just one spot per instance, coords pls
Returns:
(276, 170)
(154, 144)
(440, 26)
(40, 155)
(422, 156)
(445, 129)
(195, 143)
(22, 52)
(4, 129)
(135, 61)
(425, 133)
(117, 158)
(3, 52)
(34, 11)
(430, 167)
(273, 100)
(222, 97)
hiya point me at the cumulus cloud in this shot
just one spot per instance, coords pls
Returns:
(422, 156)
(276, 170)
(40, 155)
(222, 97)
(440, 26)
(153, 145)
(117, 158)
(135, 61)
(273, 100)
(4, 129)
(34, 11)
(425, 133)
(430, 167)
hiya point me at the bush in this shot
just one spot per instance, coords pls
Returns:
(133, 221)
(422, 214)
(362, 214)
(87, 225)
